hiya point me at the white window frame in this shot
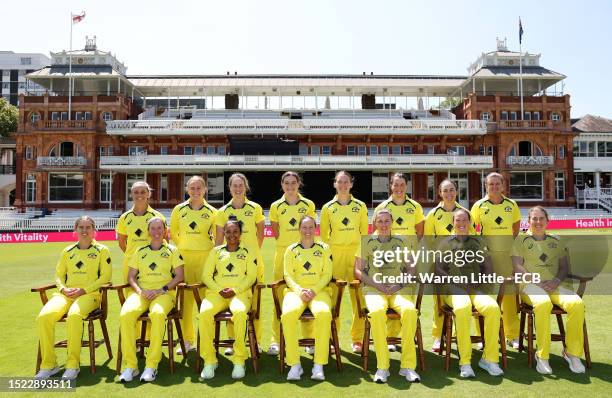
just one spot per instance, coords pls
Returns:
(28, 153)
(351, 150)
(559, 180)
(486, 116)
(555, 117)
(105, 179)
(529, 199)
(30, 188)
(107, 116)
(163, 150)
(34, 117)
(163, 184)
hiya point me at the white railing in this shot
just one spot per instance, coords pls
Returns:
(179, 162)
(61, 161)
(601, 197)
(51, 224)
(529, 161)
(298, 126)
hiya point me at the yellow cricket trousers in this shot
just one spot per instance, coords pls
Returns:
(77, 309)
(293, 307)
(278, 274)
(256, 322)
(194, 263)
(213, 304)
(134, 306)
(542, 304)
(488, 308)
(377, 305)
(502, 265)
(343, 268)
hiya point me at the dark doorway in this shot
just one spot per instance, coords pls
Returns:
(318, 186)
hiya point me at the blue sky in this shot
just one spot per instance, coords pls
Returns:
(317, 36)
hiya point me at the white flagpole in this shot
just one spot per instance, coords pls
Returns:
(70, 72)
(521, 76)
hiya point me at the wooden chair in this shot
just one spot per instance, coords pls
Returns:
(175, 315)
(391, 314)
(307, 315)
(447, 329)
(526, 311)
(98, 314)
(226, 316)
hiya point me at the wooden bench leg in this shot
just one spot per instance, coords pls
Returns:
(252, 344)
(198, 362)
(448, 330)
(38, 359)
(336, 346)
(502, 343)
(106, 338)
(171, 345)
(530, 352)
(365, 350)
(282, 349)
(419, 338)
(561, 329)
(92, 347)
(179, 334)
(522, 333)
(587, 352)
(119, 353)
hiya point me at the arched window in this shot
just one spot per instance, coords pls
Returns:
(52, 151)
(67, 149)
(34, 117)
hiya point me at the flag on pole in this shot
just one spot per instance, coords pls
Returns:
(520, 30)
(76, 18)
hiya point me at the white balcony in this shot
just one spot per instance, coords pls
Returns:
(181, 163)
(529, 161)
(592, 164)
(61, 161)
(314, 126)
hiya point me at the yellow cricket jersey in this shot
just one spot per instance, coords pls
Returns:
(156, 267)
(237, 269)
(439, 222)
(87, 269)
(250, 214)
(308, 268)
(496, 220)
(288, 218)
(405, 216)
(463, 257)
(540, 256)
(343, 225)
(136, 229)
(193, 229)
(367, 249)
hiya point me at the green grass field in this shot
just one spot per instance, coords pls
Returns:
(27, 265)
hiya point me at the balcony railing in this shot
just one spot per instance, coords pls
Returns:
(303, 126)
(529, 161)
(61, 161)
(62, 125)
(526, 124)
(275, 162)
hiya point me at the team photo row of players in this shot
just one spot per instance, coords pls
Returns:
(220, 250)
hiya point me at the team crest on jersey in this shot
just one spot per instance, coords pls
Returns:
(486, 210)
(508, 209)
(302, 210)
(165, 254)
(93, 256)
(248, 213)
(317, 253)
(410, 211)
(440, 217)
(240, 256)
(355, 209)
(530, 246)
(552, 245)
(284, 211)
(205, 215)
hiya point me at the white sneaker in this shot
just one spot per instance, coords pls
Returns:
(391, 347)
(148, 375)
(491, 367)
(188, 346)
(238, 372)
(480, 346)
(466, 371)
(128, 375)
(70, 374)
(274, 349)
(229, 351)
(46, 373)
(309, 350)
(208, 372)
(295, 373)
(381, 376)
(575, 364)
(317, 372)
(435, 347)
(514, 343)
(542, 366)
(410, 375)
